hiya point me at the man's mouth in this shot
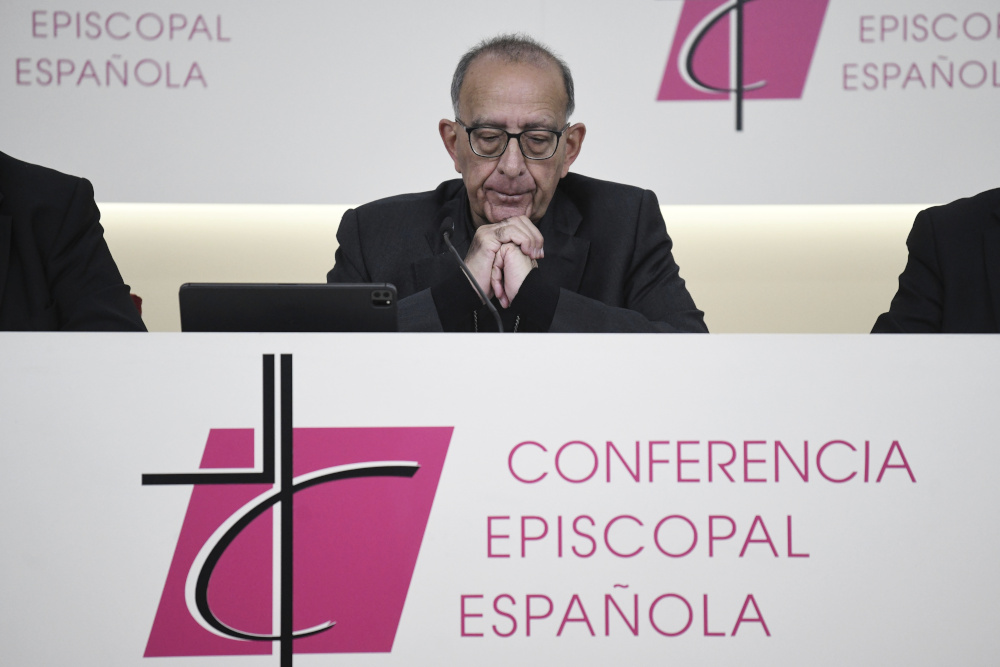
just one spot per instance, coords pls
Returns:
(508, 197)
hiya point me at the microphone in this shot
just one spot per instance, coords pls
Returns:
(447, 227)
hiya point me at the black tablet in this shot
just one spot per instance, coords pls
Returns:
(261, 307)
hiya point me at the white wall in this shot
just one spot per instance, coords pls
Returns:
(308, 101)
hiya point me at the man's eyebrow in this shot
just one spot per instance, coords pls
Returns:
(482, 122)
(534, 125)
(539, 125)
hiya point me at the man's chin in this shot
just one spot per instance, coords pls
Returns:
(501, 212)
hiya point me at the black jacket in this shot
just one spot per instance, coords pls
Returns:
(951, 283)
(608, 265)
(56, 271)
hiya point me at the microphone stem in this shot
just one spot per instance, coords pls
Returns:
(472, 280)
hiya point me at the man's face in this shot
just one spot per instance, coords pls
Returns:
(514, 97)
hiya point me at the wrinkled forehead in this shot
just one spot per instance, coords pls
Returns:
(498, 90)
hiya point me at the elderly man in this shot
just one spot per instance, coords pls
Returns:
(555, 251)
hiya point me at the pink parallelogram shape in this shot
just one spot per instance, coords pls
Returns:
(779, 39)
(356, 543)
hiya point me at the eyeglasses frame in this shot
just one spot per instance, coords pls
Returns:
(511, 135)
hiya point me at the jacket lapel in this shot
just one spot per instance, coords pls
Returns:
(5, 225)
(565, 252)
(991, 255)
(428, 271)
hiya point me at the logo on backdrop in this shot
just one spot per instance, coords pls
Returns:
(312, 549)
(742, 50)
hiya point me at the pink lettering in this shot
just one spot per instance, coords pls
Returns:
(490, 536)
(20, 71)
(972, 83)
(218, 29)
(986, 27)
(722, 466)
(694, 536)
(510, 463)
(43, 67)
(713, 537)
(525, 538)
(819, 461)
(895, 70)
(866, 29)
(934, 27)
(704, 614)
(681, 460)
(508, 616)
(913, 74)
(610, 447)
(895, 447)
(588, 537)
(64, 67)
(93, 20)
(747, 460)
(593, 468)
(177, 23)
(757, 521)
(870, 71)
(159, 26)
(60, 19)
(803, 472)
(88, 72)
(37, 17)
(633, 626)
(464, 615)
(111, 33)
(148, 63)
(888, 24)
(575, 600)
(850, 76)
(170, 84)
(652, 616)
(759, 618)
(652, 458)
(200, 27)
(607, 537)
(529, 617)
(791, 551)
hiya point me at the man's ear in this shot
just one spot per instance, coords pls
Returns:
(574, 141)
(449, 135)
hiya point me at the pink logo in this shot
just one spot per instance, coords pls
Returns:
(742, 50)
(313, 551)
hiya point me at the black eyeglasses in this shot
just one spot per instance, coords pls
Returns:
(491, 142)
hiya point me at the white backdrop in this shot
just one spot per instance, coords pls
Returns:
(899, 571)
(309, 101)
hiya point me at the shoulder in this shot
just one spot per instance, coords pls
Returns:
(956, 228)
(39, 196)
(606, 200)
(23, 180)
(968, 213)
(408, 207)
(581, 187)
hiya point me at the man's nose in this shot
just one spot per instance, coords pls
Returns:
(512, 161)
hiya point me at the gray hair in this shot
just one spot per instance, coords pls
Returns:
(513, 48)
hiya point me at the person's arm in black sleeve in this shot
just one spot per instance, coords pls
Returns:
(85, 284)
(536, 301)
(348, 262)
(434, 309)
(655, 297)
(917, 305)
